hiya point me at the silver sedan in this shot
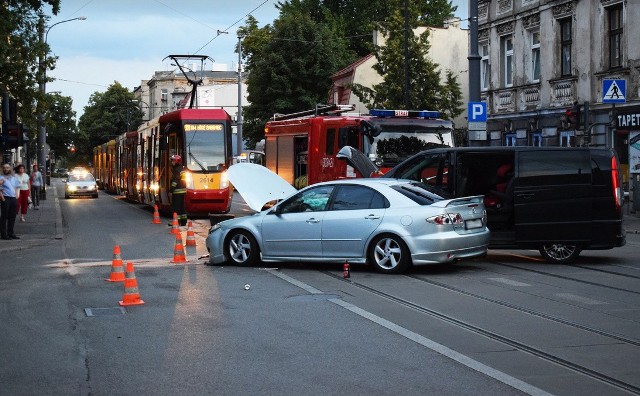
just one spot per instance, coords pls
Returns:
(391, 224)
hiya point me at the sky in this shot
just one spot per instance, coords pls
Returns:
(127, 40)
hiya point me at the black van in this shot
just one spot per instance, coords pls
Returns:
(558, 200)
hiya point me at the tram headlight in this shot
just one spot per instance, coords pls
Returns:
(224, 180)
(188, 180)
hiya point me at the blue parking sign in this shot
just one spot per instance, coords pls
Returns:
(477, 112)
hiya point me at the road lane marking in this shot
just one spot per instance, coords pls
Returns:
(509, 282)
(426, 342)
(580, 299)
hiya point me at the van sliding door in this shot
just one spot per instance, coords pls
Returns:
(552, 196)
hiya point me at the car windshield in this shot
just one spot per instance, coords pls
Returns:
(84, 177)
(393, 142)
(205, 147)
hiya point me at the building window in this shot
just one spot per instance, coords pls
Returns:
(567, 139)
(535, 56)
(510, 139)
(565, 45)
(484, 66)
(507, 61)
(615, 36)
(164, 95)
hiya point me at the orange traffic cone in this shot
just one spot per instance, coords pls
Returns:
(191, 236)
(156, 215)
(178, 251)
(131, 294)
(175, 228)
(117, 272)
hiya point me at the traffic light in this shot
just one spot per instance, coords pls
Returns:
(573, 116)
(72, 149)
(613, 118)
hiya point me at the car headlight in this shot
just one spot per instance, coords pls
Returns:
(73, 188)
(90, 188)
(214, 227)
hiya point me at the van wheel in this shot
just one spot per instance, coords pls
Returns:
(559, 253)
(389, 254)
(242, 248)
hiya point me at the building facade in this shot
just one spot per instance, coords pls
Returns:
(169, 90)
(449, 49)
(543, 65)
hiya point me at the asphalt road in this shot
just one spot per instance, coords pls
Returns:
(505, 324)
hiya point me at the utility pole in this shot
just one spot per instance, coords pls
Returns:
(239, 119)
(474, 56)
(42, 132)
(406, 55)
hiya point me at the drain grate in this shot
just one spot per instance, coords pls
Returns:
(105, 311)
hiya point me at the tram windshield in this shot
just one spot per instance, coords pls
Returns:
(205, 147)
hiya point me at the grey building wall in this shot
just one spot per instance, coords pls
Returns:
(533, 112)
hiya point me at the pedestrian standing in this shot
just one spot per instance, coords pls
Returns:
(178, 189)
(36, 185)
(10, 188)
(25, 190)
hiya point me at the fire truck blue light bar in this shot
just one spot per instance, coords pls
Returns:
(404, 113)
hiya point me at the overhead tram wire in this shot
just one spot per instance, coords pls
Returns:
(229, 27)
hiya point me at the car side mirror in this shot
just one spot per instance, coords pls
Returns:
(277, 210)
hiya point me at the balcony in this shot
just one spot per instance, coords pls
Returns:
(563, 92)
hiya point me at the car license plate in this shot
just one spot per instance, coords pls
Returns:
(471, 224)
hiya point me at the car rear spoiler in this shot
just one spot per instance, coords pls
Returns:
(470, 200)
(358, 161)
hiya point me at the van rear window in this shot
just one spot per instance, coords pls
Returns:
(554, 167)
(419, 193)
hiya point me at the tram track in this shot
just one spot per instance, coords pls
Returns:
(503, 339)
(569, 278)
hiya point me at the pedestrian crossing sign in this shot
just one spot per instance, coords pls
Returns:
(614, 91)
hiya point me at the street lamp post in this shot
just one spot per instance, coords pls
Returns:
(239, 119)
(42, 129)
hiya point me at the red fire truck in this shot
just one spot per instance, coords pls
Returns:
(302, 147)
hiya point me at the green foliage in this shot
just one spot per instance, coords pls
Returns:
(61, 125)
(107, 115)
(451, 97)
(290, 63)
(425, 88)
(20, 48)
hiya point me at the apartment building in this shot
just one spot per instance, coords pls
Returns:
(169, 90)
(543, 60)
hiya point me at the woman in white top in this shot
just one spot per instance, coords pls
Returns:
(25, 189)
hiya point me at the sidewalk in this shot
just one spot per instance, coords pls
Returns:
(41, 226)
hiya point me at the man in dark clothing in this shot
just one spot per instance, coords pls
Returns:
(178, 189)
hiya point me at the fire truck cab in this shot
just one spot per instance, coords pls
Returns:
(302, 147)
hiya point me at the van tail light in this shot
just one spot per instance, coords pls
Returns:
(450, 218)
(615, 183)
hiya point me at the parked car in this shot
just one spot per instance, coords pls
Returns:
(557, 200)
(80, 184)
(391, 224)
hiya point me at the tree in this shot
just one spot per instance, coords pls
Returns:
(425, 88)
(20, 48)
(107, 115)
(61, 125)
(451, 97)
(290, 63)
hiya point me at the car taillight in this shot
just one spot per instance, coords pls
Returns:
(450, 218)
(615, 177)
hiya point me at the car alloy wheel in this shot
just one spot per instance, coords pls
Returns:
(559, 253)
(389, 254)
(242, 248)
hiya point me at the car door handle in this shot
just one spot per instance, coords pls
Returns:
(372, 217)
(526, 195)
(313, 220)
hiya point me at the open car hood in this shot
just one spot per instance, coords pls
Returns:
(258, 185)
(358, 161)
